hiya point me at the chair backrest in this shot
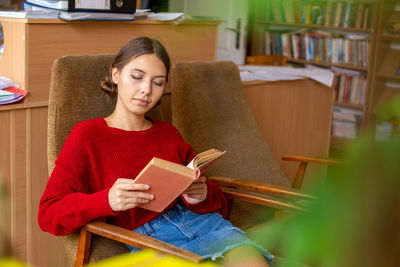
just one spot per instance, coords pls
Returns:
(75, 95)
(276, 60)
(210, 109)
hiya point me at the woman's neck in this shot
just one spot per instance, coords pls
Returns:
(128, 123)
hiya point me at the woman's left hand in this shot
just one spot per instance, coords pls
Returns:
(196, 192)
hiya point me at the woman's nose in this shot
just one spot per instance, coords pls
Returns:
(146, 88)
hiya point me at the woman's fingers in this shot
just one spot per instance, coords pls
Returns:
(134, 194)
(128, 184)
(125, 194)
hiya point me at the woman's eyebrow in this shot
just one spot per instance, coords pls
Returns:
(137, 70)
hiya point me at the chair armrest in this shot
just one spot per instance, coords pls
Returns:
(313, 160)
(259, 187)
(261, 193)
(303, 165)
(138, 240)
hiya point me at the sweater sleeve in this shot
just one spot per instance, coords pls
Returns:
(68, 203)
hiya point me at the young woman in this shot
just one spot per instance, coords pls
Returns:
(94, 172)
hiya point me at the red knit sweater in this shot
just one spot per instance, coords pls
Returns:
(93, 157)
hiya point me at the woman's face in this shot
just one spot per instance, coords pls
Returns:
(140, 83)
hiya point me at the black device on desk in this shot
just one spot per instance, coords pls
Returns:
(112, 6)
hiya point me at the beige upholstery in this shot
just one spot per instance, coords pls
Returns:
(75, 95)
(210, 109)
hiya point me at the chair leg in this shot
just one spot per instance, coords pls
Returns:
(296, 184)
(229, 208)
(82, 253)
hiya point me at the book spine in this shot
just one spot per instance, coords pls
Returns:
(328, 14)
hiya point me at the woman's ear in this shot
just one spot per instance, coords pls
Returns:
(115, 75)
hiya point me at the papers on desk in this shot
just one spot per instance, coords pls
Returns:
(9, 91)
(11, 95)
(94, 16)
(7, 82)
(273, 73)
(43, 12)
(29, 14)
(165, 16)
(55, 4)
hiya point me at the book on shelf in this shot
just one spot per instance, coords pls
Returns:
(346, 122)
(351, 86)
(347, 14)
(328, 16)
(318, 46)
(168, 180)
(288, 11)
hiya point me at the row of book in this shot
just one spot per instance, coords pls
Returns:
(351, 89)
(319, 46)
(346, 122)
(352, 14)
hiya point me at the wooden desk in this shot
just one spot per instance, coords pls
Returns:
(295, 119)
(31, 45)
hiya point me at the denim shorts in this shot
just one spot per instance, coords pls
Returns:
(208, 235)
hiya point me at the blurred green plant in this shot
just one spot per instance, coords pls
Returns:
(356, 219)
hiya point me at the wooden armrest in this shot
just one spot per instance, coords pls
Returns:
(263, 200)
(261, 193)
(138, 240)
(303, 165)
(313, 160)
(259, 187)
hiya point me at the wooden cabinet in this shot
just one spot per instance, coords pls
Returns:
(295, 119)
(31, 45)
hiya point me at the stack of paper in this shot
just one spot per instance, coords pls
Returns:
(94, 16)
(55, 4)
(9, 91)
(29, 14)
(272, 73)
(79, 15)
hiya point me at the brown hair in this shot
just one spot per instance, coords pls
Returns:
(132, 49)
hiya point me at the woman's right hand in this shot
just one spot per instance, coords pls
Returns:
(125, 194)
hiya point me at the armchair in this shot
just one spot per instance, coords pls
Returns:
(210, 109)
(75, 96)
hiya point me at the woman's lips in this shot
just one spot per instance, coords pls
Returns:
(141, 102)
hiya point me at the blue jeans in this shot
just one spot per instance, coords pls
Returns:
(208, 235)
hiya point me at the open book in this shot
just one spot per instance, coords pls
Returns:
(168, 180)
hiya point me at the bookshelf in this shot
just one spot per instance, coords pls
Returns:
(338, 35)
(386, 77)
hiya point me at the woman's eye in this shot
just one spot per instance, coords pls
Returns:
(158, 83)
(136, 77)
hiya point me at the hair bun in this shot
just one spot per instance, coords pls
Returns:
(108, 86)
